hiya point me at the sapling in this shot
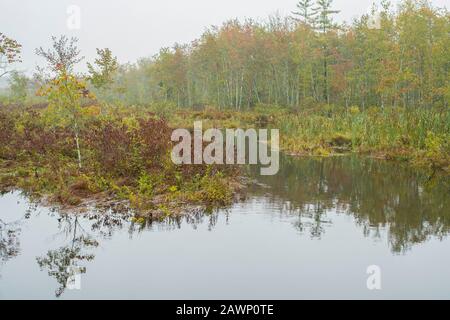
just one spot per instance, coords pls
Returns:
(64, 90)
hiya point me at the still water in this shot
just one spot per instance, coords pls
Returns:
(309, 232)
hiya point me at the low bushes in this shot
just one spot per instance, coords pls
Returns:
(124, 156)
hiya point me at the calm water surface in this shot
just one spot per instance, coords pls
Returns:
(309, 232)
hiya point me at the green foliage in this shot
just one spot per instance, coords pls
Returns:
(305, 12)
(64, 94)
(64, 91)
(388, 132)
(436, 153)
(145, 185)
(18, 86)
(211, 188)
(107, 66)
(215, 190)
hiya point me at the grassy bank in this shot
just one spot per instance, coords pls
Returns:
(125, 158)
(420, 136)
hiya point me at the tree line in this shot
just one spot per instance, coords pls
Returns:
(390, 57)
(387, 58)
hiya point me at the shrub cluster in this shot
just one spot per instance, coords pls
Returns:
(123, 155)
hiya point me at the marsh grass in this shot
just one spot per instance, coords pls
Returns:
(418, 135)
(391, 132)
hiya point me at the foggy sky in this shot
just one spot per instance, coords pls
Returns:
(134, 29)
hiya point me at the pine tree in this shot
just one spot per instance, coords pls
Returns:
(305, 12)
(324, 23)
(324, 19)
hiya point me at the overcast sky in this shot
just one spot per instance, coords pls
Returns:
(137, 28)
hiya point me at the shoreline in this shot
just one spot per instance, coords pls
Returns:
(163, 204)
(103, 202)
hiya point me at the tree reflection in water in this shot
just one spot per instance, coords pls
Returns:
(9, 240)
(62, 263)
(101, 224)
(378, 194)
(10, 236)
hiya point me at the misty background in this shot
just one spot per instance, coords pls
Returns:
(133, 29)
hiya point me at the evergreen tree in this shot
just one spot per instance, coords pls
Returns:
(305, 12)
(324, 15)
(324, 23)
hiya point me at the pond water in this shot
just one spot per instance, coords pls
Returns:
(311, 231)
